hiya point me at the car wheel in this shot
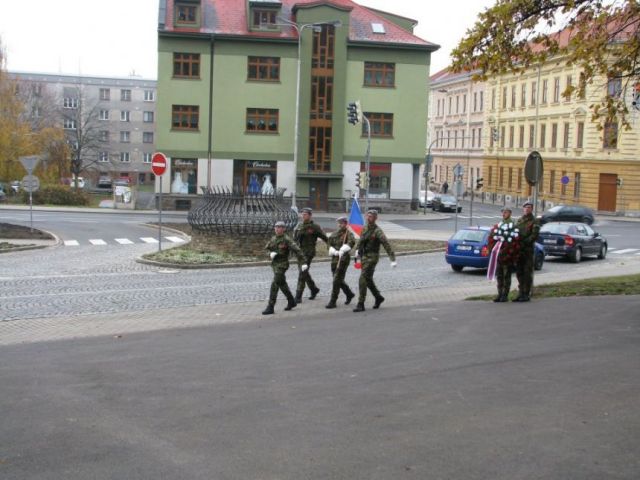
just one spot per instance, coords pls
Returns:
(603, 251)
(457, 268)
(576, 256)
(441, 208)
(539, 261)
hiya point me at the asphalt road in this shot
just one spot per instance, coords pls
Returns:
(452, 390)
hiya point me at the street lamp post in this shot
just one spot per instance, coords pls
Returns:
(300, 29)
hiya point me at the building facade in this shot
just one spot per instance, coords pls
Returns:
(456, 130)
(253, 95)
(117, 116)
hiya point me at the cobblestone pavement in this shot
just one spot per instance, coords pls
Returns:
(84, 291)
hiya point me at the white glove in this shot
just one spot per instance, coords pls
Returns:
(344, 249)
(304, 268)
(332, 252)
(394, 264)
(273, 255)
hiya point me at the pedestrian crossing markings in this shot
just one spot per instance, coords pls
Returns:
(123, 241)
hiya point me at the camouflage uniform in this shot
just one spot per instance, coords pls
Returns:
(368, 249)
(339, 265)
(283, 246)
(507, 257)
(529, 227)
(306, 235)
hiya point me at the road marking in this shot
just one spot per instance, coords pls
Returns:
(175, 239)
(124, 241)
(71, 243)
(625, 250)
(149, 240)
(97, 241)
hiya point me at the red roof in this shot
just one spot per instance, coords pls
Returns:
(229, 17)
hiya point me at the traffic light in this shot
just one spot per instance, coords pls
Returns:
(364, 181)
(479, 183)
(354, 113)
(494, 134)
(357, 179)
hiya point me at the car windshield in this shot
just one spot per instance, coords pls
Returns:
(448, 198)
(470, 235)
(555, 228)
(555, 209)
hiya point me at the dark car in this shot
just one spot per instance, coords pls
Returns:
(572, 240)
(568, 213)
(468, 247)
(445, 203)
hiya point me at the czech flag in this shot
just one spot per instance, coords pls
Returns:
(356, 222)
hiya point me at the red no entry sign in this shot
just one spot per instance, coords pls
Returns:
(158, 163)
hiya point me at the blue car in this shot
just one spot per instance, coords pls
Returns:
(468, 247)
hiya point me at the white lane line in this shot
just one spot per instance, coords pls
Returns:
(149, 240)
(97, 241)
(124, 241)
(625, 250)
(71, 243)
(175, 239)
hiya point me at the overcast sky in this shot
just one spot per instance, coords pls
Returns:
(118, 37)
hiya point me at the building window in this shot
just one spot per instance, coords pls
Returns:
(147, 117)
(464, 103)
(69, 124)
(510, 179)
(519, 187)
(565, 136)
(381, 124)
(504, 97)
(481, 101)
(490, 175)
(147, 137)
(105, 94)
(511, 136)
(186, 65)
(186, 13)
(475, 101)
(502, 136)
(70, 102)
(614, 87)
(493, 99)
(146, 157)
(125, 95)
(563, 186)
(523, 95)
(103, 135)
(149, 96)
(543, 135)
(103, 157)
(534, 93)
(501, 177)
(552, 181)
(556, 89)
(545, 89)
(580, 135)
(521, 139)
(480, 137)
(125, 137)
(262, 120)
(610, 137)
(450, 103)
(125, 116)
(264, 18)
(185, 117)
(266, 69)
(104, 114)
(582, 86)
(576, 186)
(379, 74)
(457, 103)
(320, 149)
(124, 157)
(532, 135)
(554, 135)
(513, 96)
(567, 97)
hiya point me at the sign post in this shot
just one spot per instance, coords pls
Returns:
(159, 166)
(533, 170)
(30, 183)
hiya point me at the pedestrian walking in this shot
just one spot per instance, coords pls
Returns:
(340, 244)
(280, 246)
(445, 187)
(504, 247)
(529, 228)
(368, 251)
(306, 235)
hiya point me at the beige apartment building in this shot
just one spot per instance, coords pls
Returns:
(583, 164)
(456, 129)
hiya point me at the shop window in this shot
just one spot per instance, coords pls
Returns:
(185, 175)
(255, 176)
(379, 179)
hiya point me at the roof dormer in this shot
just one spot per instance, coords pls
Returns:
(263, 14)
(187, 14)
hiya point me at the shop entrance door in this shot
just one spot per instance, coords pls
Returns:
(319, 194)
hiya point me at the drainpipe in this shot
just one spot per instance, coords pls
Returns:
(210, 133)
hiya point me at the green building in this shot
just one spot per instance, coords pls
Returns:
(231, 73)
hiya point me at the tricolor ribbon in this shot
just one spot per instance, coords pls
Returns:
(493, 261)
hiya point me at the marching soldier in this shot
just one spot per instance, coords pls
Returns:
(506, 256)
(368, 250)
(340, 244)
(529, 227)
(279, 248)
(306, 236)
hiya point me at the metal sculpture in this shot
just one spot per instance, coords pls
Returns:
(238, 212)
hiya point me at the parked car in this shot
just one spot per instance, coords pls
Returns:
(572, 240)
(443, 203)
(568, 213)
(468, 247)
(16, 185)
(105, 181)
(430, 196)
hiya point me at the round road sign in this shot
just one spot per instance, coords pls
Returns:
(158, 163)
(533, 168)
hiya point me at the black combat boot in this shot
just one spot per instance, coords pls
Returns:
(314, 292)
(268, 310)
(331, 304)
(291, 303)
(350, 296)
(498, 298)
(298, 298)
(359, 307)
(379, 301)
